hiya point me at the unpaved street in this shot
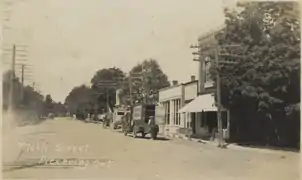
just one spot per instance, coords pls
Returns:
(111, 155)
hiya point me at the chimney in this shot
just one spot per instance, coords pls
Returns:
(175, 82)
(192, 78)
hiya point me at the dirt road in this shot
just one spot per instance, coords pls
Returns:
(83, 150)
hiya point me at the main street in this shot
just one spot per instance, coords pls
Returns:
(111, 155)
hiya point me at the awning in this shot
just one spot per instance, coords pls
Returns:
(204, 102)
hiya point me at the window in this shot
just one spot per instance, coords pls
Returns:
(176, 115)
(208, 77)
(179, 114)
(174, 111)
(185, 120)
(174, 122)
(167, 112)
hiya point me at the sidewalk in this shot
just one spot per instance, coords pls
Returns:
(233, 146)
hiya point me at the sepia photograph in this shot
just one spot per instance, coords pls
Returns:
(150, 89)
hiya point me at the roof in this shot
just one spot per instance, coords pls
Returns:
(204, 102)
(190, 82)
(169, 87)
(181, 84)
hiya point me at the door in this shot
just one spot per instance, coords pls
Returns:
(193, 122)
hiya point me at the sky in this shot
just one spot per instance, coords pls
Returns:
(69, 40)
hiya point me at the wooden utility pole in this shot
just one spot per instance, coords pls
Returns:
(144, 84)
(210, 39)
(22, 83)
(107, 100)
(12, 79)
(218, 91)
(130, 90)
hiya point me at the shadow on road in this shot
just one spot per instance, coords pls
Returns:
(269, 147)
(31, 122)
(148, 138)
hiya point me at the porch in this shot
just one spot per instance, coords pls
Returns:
(201, 118)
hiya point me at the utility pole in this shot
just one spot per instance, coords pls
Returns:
(218, 91)
(12, 79)
(22, 83)
(130, 89)
(210, 39)
(107, 100)
(144, 90)
(16, 58)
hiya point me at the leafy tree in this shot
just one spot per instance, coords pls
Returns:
(79, 99)
(48, 105)
(266, 78)
(105, 82)
(33, 100)
(32, 105)
(6, 90)
(147, 79)
(60, 109)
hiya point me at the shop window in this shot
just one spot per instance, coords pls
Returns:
(176, 114)
(167, 112)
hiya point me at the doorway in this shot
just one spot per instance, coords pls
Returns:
(193, 122)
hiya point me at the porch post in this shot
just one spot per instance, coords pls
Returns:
(188, 121)
(228, 123)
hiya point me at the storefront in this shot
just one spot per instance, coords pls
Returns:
(201, 116)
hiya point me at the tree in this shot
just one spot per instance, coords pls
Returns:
(6, 90)
(148, 79)
(79, 99)
(105, 82)
(33, 100)
(60, 109)
(28, 108)
(48, 105)
(266, 78)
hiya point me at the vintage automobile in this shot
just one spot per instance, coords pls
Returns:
(138, 122)
(118, 115)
